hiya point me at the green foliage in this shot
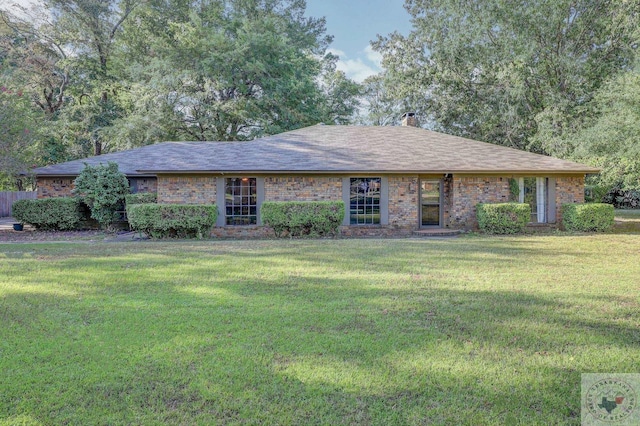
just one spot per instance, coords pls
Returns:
(62, 213)
(141, 198)
(383, 106)
(235, 70)
(622, 198)
(516, 76)
(299, 218)
(587, 217)
(503, 218)
(103, 189)
(143, 71)
(173, 220)
(18, 148)
(609, 137)
(514, 190)
(595, 193)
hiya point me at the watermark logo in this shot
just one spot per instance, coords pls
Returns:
(610, 399)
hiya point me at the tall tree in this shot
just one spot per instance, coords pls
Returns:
(235, 70)
(381, 104)
(91, 28)
(509, 72)
(33, 58)
(114, 74)
(610, 139)
(18, 150)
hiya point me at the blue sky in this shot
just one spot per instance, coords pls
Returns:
(354, 23)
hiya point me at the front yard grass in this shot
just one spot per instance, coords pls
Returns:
(626, 222)
(475, 330)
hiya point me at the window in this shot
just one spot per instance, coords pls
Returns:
(533, 191)
(364, 201)
(241, 201)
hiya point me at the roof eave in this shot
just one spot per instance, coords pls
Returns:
(404, 172)
(69, 174)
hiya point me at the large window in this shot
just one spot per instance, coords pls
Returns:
(364, 201)
(241, 201)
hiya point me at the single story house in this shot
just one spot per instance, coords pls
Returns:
(393, 180)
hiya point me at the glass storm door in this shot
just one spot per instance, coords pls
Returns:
(430, 190)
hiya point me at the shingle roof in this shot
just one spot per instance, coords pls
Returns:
(330, 149)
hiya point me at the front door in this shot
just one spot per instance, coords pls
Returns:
(430, 200)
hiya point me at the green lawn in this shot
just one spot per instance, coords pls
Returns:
(475, 330)
(627, 221)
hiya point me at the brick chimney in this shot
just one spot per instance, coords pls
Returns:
(409, 119)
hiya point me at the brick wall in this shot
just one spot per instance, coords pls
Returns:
(54, 187)
(62, 187)
(302, 188)
(403, 201)
(467, 191)
(460, 196)
(187, 189)
(569, 189)
(147, 184)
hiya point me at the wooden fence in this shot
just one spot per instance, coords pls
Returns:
(8, 198)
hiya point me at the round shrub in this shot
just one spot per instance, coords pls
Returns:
(103, 189)
(503, 218)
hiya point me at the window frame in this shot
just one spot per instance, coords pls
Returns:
(383, 205)
(221, 200)
(548, 202)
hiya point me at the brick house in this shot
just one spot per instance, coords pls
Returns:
(393, 180)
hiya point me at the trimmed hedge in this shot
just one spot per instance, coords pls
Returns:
(587, 217)
(503, 218)
(173, 220)
(141, 198)
(49, 214)
(298, 218)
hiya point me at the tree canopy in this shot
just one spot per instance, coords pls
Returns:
(513, 73)
(106, 75)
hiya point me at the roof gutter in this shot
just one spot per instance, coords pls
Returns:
(369, 172)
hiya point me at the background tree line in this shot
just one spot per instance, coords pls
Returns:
(84, 77)
(557, 77)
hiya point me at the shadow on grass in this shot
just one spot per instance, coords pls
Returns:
(391, 333)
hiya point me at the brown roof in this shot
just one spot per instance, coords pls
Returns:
(330, 149)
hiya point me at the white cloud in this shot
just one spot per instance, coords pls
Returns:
(365, 65)
(373, 56)
(356, 69)
(337, 52)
